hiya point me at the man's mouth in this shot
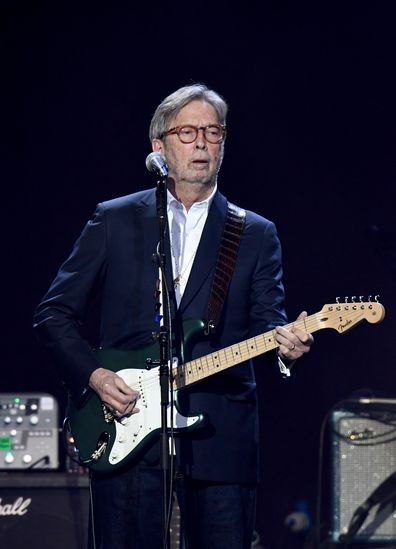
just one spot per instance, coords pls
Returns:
(198, 162)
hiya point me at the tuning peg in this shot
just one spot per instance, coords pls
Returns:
(369, 298)
(353, 299)
(338, 300)
(361, 297)
(346, 299)
(377, 298)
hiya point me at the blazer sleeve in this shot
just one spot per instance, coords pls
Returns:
(58, 318)
(267, 297)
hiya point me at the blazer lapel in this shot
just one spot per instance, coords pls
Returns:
(206, 255)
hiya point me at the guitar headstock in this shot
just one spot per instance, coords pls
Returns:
(343, 316)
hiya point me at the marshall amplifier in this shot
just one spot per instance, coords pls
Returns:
(44, 510)
(363, 473)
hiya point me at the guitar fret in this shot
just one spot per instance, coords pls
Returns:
(214, 362)
(236, 351)
(202, 365)
(221, 357)
(200, 368)
(252, 344)
(260, 344)
(242, 350)
(194, 369)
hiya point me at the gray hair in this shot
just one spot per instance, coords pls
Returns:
(171, 105)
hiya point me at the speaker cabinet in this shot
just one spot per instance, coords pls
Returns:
(363, 455)
(43, 510)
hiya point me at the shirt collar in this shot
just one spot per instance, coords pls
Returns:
(172, 201)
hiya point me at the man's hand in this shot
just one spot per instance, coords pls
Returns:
(293, 343)
(114, 392)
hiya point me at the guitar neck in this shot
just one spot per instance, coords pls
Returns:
(339, 316)
(200, 368)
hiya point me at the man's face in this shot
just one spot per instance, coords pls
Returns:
(197, 162)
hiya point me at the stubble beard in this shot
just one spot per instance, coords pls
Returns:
(199, 179)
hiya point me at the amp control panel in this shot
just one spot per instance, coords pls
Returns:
(29, 432)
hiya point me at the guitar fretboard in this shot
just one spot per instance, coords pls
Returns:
(200, 368)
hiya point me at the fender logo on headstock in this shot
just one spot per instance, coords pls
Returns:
(342, 327)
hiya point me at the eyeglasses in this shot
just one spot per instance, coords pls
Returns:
(214, 133)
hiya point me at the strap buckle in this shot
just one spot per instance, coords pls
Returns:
(210, 328)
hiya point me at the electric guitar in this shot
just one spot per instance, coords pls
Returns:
(105, 443)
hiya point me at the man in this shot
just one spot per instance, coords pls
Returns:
(217, 463)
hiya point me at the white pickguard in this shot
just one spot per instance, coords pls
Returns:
(132, 430)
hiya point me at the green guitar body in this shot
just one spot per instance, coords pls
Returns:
(105, 443)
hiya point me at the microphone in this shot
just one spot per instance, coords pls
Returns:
(155, 162)
(382, 494)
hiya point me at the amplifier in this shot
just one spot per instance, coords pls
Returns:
(29, 432)
(44, 510)
(363, 456)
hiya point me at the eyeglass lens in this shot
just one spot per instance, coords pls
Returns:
(188, 134)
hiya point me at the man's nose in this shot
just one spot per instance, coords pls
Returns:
(201, 140)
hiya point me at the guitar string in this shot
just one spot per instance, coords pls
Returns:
(153, 379)
(309, 322)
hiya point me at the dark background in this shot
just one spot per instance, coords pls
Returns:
(311, 145)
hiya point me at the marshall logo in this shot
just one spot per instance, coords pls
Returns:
(18, 508)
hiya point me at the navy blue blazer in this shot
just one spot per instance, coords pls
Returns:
(112, 259)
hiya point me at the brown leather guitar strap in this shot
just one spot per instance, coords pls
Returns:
(226, 258)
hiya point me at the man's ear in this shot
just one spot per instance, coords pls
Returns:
(156, 145)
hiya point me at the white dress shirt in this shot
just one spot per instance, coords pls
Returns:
(185, 230)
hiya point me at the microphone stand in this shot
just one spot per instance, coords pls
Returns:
(165, 349)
